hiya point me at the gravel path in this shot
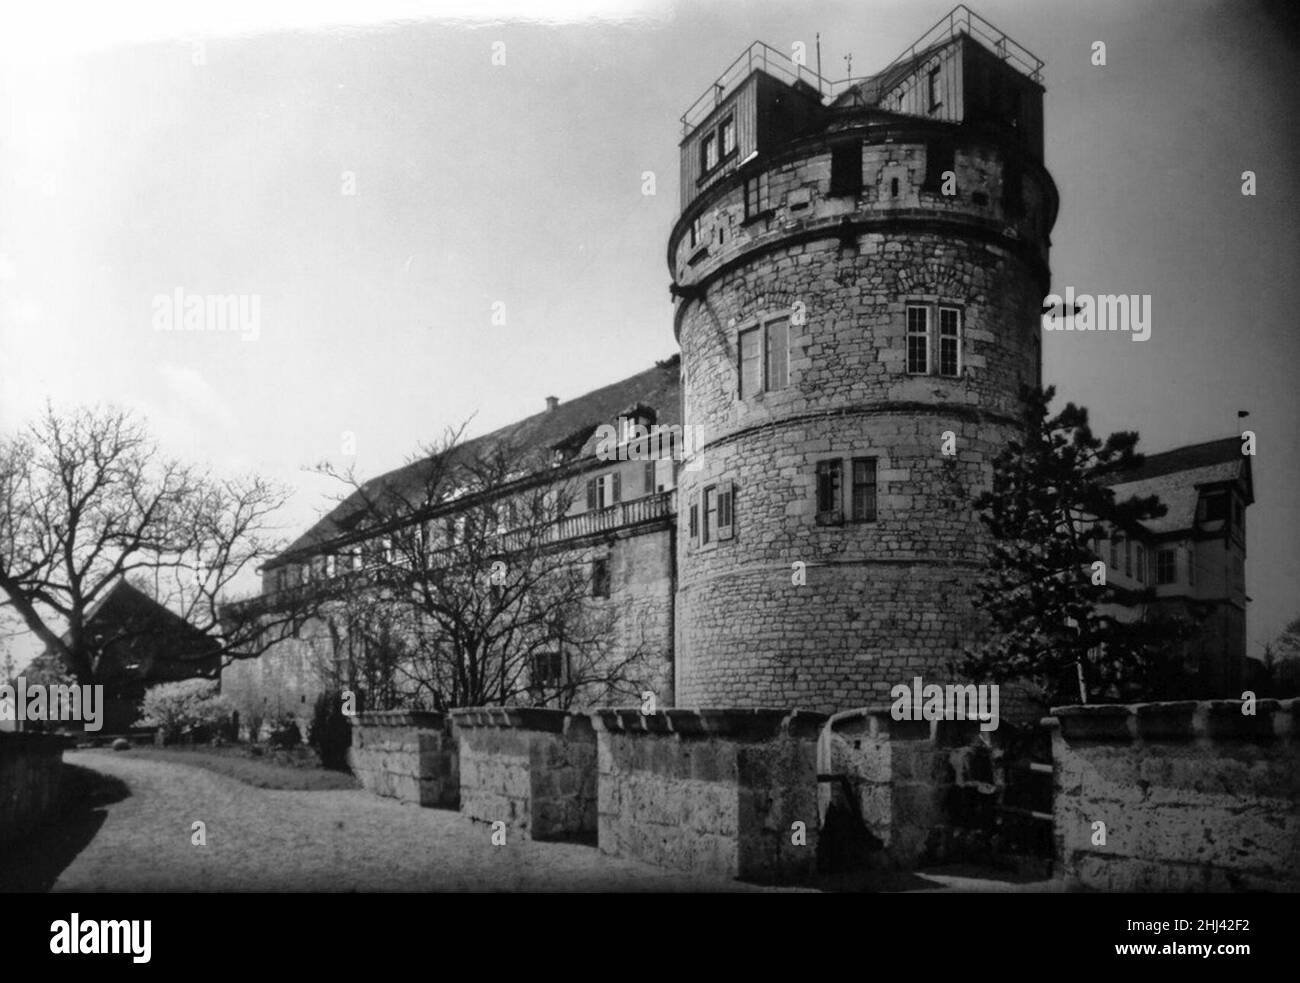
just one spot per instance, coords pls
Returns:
(271, 840)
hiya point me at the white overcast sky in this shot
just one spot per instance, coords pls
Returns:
(128, 171)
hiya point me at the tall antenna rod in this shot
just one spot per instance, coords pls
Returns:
(819, 62)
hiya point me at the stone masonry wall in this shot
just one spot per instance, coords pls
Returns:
(285, 681)
(920, 787)
(888, 599)
(533, 769)
(710, 791)
(638, 656)
(406, 755)
(1194, 796)
(31, 769)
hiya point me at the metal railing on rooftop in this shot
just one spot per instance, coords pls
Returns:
(960, 20)
(757, 56)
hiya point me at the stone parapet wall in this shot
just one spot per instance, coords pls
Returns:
(407, 755)
(1194, 796)
(711, 791)
(31, 772)
(533, 769)
(919, 787)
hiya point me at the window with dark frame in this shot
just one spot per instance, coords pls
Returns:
(726, 510)
(829, 487)
(603, 491)
(864, 490)
(547, 670)
(756, 196)
(1166, 567)
(649, 477)
(709, 152)
(918, 339)
(709, 514)
(764, 354)
(727, 134)
(935, 101)
(949, 341)
(937, 328)
(1214, 507)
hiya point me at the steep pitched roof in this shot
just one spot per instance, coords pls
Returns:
(124, 608)
(1176, 477)
(570, 426)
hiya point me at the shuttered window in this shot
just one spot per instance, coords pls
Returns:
(726, 510)
(778, 353)
(751, 363)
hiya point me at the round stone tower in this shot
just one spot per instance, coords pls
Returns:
(858, 281)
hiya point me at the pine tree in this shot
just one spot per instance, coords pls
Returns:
(1045, 590)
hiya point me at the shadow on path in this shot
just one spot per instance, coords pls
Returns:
(35, 862)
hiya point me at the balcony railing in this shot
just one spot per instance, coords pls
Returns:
(757, 55)
(618, 516)
(622, 515)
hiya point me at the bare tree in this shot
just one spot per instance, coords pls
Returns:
(87, 499)
(466, 555)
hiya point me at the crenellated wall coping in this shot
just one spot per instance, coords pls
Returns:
(1273, 720)
(544, 719)
(423, 719)
(743, 724)
(881, 725)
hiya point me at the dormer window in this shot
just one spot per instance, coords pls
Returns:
(1214, 507)
(638, 417)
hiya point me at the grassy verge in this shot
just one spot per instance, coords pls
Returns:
(236, 762)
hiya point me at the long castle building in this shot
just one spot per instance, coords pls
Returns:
(857, 270)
